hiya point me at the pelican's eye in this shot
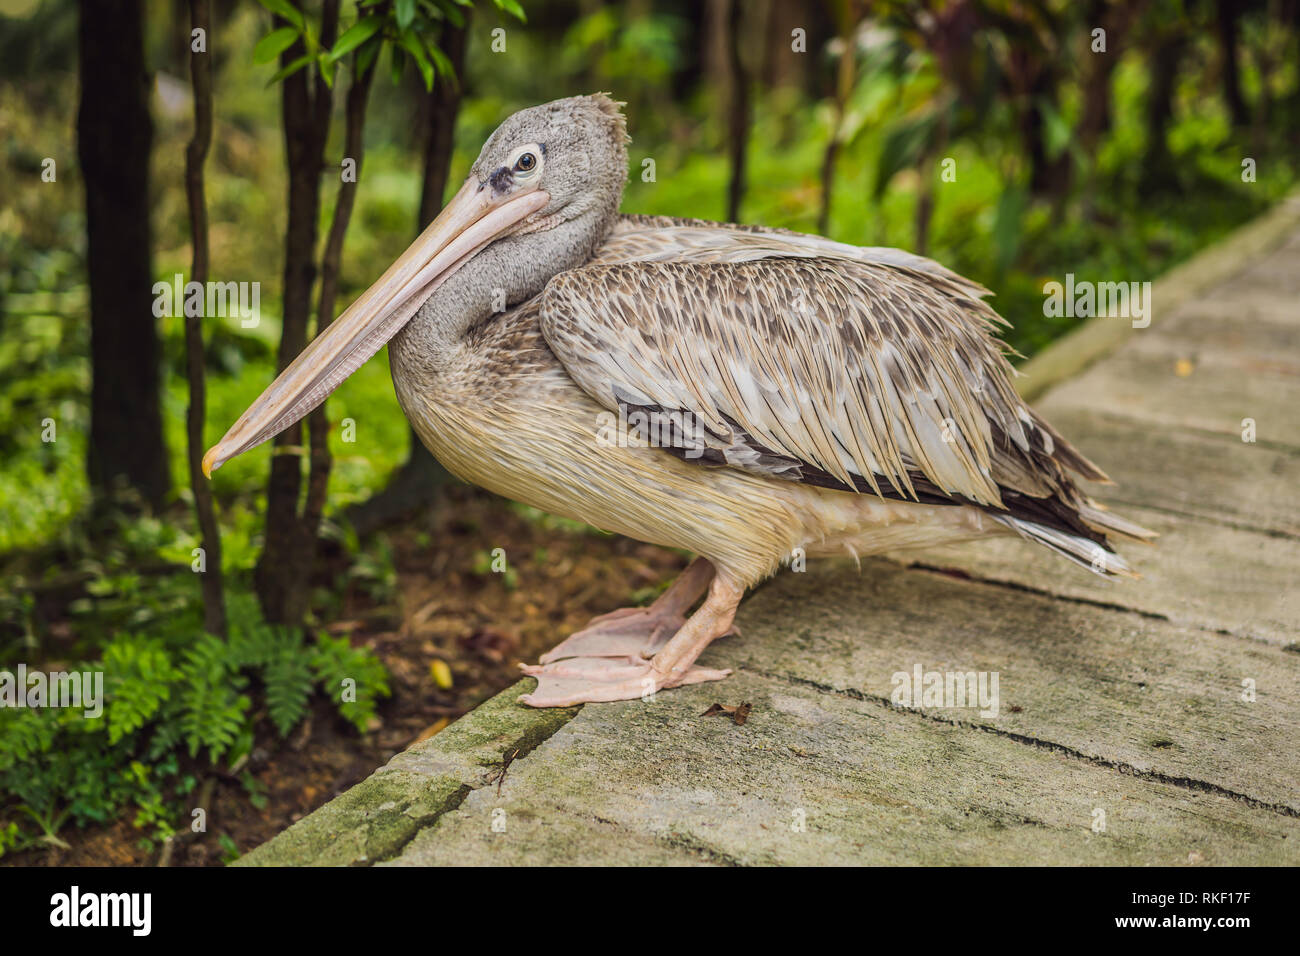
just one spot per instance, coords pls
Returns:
(526, 162)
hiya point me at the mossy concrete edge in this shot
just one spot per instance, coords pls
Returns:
(375, 819)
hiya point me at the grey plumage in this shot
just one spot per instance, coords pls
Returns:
(789, 392)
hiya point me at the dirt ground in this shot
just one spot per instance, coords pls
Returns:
(450, 607)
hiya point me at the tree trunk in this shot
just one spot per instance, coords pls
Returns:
(1263, 122)
(1048, 177)
(443, 105)
(331, 261)
(1096, 119)
(114, 134)
(930, 154)
(1157, 162)
(715, 54)
(844, 79)
(196, 153)
(782, 66)
(1293, 104)
(284, 568)
(415, 484)
(738, 118)
(1227, 13)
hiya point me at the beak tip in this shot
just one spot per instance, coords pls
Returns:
(210, 462)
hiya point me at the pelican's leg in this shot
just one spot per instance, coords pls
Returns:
(638, 631)
(592, 679)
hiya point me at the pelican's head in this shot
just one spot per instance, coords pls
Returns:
(543, 169)
(574, 150)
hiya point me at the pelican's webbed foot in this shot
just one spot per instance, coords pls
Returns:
(590, 680)
(612, 659)
(638, 632)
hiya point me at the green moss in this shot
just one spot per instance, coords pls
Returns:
(375, 819)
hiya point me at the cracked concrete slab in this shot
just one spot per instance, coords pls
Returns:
(823, 778)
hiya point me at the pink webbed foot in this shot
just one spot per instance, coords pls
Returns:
(638, 632)
(589, 680)
(627, 632)
(608, 660)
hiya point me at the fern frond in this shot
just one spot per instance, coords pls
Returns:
(289, 682)
(351, 677)
(139, 674)
(25, 733)
(213, 708)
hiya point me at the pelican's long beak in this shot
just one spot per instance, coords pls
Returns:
(474, 218)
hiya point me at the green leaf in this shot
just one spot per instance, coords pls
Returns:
(513, 8)
(413, 46)
(335, 661)
(289, 681)
(365, 57)
(1058, 132)
(447, 8)
(273, 44)
(284, 9)
(139, 676)
(395, 64)
(309, 38)
(355, 35)
(253, 787)
(212, 709)
(289, 69)
(405, 11)
(24, 733)
(325, 67)
(443, 65)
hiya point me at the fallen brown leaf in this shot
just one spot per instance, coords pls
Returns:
(739, 713)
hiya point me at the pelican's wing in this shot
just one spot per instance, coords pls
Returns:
(865, 369)
(667, 239)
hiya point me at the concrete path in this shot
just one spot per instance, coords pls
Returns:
(1155, 722)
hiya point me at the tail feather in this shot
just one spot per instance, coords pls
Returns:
(1070, 457)
(1087, 554)
(1096, 516)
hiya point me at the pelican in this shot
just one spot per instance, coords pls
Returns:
(743, 393)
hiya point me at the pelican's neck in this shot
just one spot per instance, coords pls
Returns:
(506, 273)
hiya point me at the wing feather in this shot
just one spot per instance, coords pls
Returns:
(871, 368)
